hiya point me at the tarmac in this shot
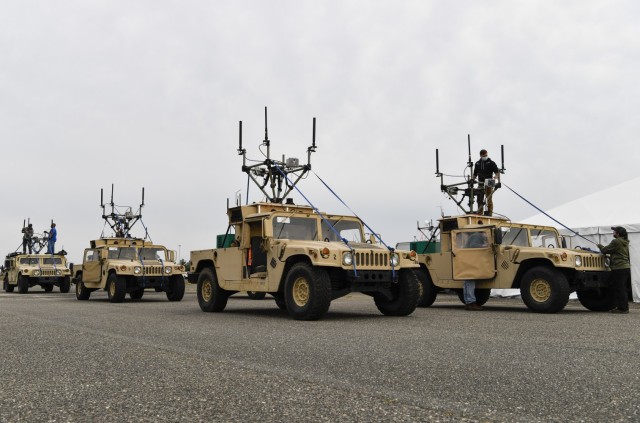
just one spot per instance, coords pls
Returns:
(65, 360)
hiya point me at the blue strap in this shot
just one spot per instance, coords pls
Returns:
(355, 270)
(546, 214)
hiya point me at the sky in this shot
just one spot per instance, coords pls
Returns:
(149, 94)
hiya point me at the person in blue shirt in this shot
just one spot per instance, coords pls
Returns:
(53, 237)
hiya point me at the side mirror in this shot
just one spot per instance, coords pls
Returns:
(497, 235)
(172, 255)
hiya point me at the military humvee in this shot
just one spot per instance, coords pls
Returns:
(303, 257)
(123, 264)
(526, 257)
(27, 270)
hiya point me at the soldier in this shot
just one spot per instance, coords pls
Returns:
(620, 268)
(53, 237)
(484, 170)
(27, 241)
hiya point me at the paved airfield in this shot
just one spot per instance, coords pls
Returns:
(67, 360)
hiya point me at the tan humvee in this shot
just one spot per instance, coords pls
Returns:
(526, 257)
(128, 265)
(291, 252)
(27, 270)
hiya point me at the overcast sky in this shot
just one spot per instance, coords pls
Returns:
(149, 94)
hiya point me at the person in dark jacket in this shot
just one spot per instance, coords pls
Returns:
(484, 170)
(620, 264)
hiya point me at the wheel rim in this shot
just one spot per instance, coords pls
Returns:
(112, 289)
(301, 292)
(540, 290)
(207, 291)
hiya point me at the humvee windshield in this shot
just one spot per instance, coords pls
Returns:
(158, 254)
(30, 260)
(544, 238)
(302, 228)
(515, 236)
(52, 260)
(122, 253)
(348, 229)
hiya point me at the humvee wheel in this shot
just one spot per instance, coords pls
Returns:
(47, 288)
(82, 292)
(406, 293)
(65, 285)
(307, 292)
(176, 288)
(211, 297)
(428, 291)
(116, 288)
(255, 295)
(482, 295)
(7, 287)
(282, 305)
(596, 299)
(544, 289)
(23, 284)
(137, 294)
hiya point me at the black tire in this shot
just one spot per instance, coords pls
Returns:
(482, 295)
(307, 292)
(116, 288)
(544, 289)
(65, 284)
(596, 299)
(428, 291)
(282, 305)
(7, 287)
(176, 288)
(406, 293)
(137, 294)
(211, 297)
(47, 287)
(23, 284)
(255, 295)
(82, 292)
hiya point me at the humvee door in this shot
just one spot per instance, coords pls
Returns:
(472, 254)
(92, 266)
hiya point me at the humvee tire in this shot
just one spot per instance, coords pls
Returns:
(254, 295)
(280, 303)
(65, 285)
(482, 295)
(544, 289)
(211, 297)
(82, 292)
(116, 288)
(307, 292)
(7, 287)
(137, 294)
(47, 287)
(428, 291)
(406, 293)
(176, 288)
(596, 299)
(23, 284)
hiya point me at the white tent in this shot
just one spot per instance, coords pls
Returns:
(592, 217)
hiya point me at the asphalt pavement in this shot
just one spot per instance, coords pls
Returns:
(65, 360)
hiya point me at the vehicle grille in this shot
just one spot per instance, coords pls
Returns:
(47, 272)
(153, 270)
(371, 259)
(593, 261)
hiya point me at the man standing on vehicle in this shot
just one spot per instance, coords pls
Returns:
(53, 237)
(618, 251)
(484, 170)
(475, 240)
(27, 240)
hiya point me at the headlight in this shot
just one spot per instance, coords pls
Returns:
(137, 270)
(395, 259)
(578, 261)
(36, 273)
(167, 270)
(347, 259)
(58, 273)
